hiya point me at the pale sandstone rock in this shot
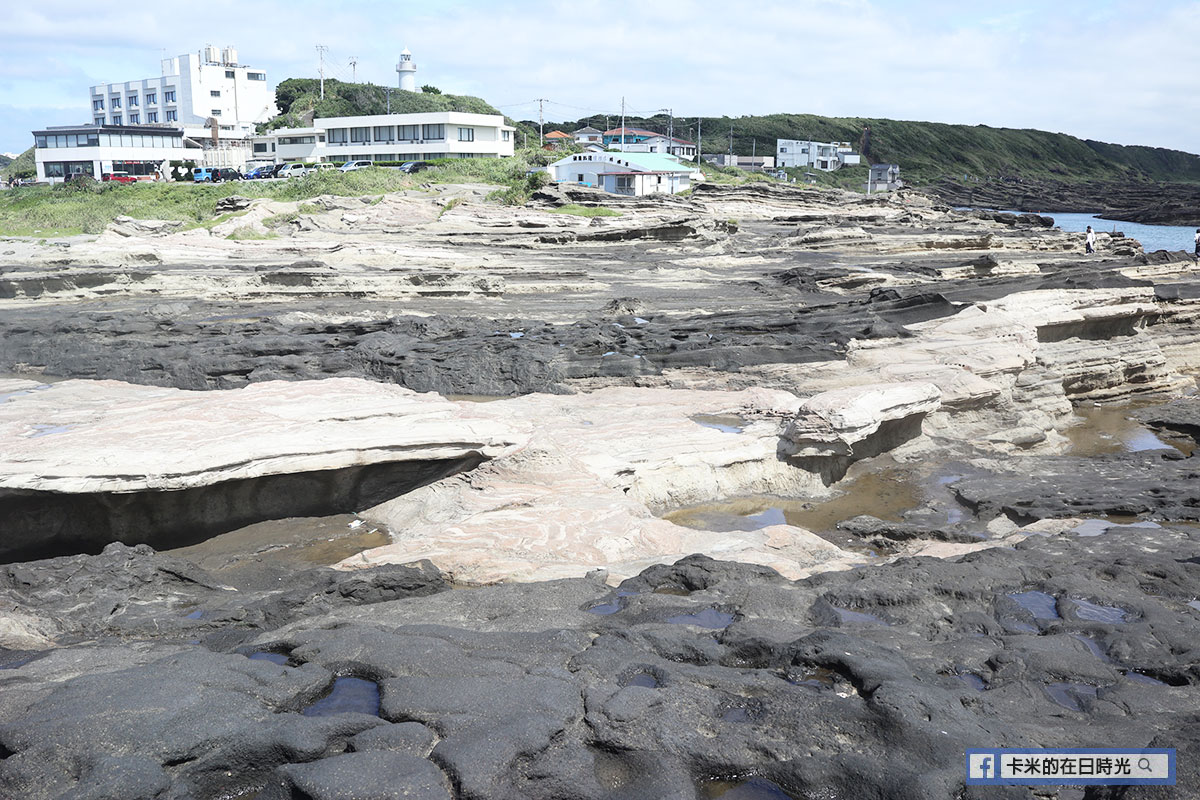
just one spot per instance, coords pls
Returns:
(108, 436)
(832, 423)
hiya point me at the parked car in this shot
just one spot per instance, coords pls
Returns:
(202, 174)
(258, 173)
(226, 174)
(293, 170)
(324, 166)
(118, 177)
(277, 168)
(350, 166)
(414, 166)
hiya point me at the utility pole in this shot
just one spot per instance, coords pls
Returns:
(354, 69)
(541, 123)
(699, 141)
(731, 145)
(388, 90)
(670, 128)
(321, 55)
(622, 124)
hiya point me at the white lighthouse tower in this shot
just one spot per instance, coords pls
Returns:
(408, 72)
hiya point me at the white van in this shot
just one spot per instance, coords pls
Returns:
(293, 170)
(353, 165)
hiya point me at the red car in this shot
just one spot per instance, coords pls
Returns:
(118, 177)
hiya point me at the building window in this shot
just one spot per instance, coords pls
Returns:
(172, 116)
(134, 119)
(297, 140)
(151, 116)
(384, 133)
(466, 134)
(433, 132)
(230, 73)
(360, 134)
(215, 93)
(783, 149)
(133, 101)
(504, 135)
(98, 104)
(256, 76)
(99, 120)
(151, 98)
(338, 135)
(580, 179)
(260, 147)
(116, 102)
(216, 112)
(169, 96)
(116, 119)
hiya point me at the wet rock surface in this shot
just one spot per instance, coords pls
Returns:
(858, 684)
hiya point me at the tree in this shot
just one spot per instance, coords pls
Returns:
(427, 89)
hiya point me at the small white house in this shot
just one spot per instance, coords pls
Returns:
(825, 156)
(634, 174)
(588, 135)
(884, 178)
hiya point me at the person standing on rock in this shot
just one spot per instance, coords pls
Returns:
(1091, 240)
(1198, 243)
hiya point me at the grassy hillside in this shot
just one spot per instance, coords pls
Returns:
(930, 151)
(300, 101)
(21, 167)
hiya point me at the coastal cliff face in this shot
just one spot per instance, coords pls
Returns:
(765, 491)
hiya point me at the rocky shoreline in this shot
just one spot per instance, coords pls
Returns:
(532, 626)
(1145, 202)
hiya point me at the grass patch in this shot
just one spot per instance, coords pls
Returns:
(454, 201)
(209, 224)
(586, 211)
(279, 220)
(247, 233)
(65, 210)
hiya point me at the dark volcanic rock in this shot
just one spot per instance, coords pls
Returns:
(867, 683)
(1181, 415)
(1158, 484)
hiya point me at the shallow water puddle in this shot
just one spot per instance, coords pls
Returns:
(644, 679)
(304, 541)
(1108, 429)
(1138, 677)
(753, 789)
(610, 606)
(1039, 604)
(274, 658)
(1070, 695)
(349, 695)
(816, 678)
(848, 617)
(973, 681)
(725, 423)
(1095, 612)
(1093, 646)
(708, 618)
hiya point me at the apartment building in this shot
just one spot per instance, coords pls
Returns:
(390, 137)
(192, 89)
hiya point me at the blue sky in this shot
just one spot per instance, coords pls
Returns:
(1126, 72)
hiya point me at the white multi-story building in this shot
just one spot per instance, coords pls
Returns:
(390, 137)
(142, 151)
(193, 89)
(627, 173)
(826, 156)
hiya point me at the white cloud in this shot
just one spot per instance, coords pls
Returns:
(1101, 69)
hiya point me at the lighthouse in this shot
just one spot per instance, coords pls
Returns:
(408, 72)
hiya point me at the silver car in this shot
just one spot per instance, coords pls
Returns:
(295, 170)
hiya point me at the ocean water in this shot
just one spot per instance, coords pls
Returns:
(1152, 237)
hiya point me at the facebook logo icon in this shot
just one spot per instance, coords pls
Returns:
(981, 766)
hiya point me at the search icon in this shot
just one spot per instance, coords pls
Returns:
(1144, 764)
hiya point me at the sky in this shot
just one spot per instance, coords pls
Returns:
(1116, 71)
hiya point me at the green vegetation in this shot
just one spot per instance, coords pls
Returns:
(931, 151)
(449, 205)
(586, 211)
(20, 167)
(247, 233)
(279, 220)
(88, 207)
